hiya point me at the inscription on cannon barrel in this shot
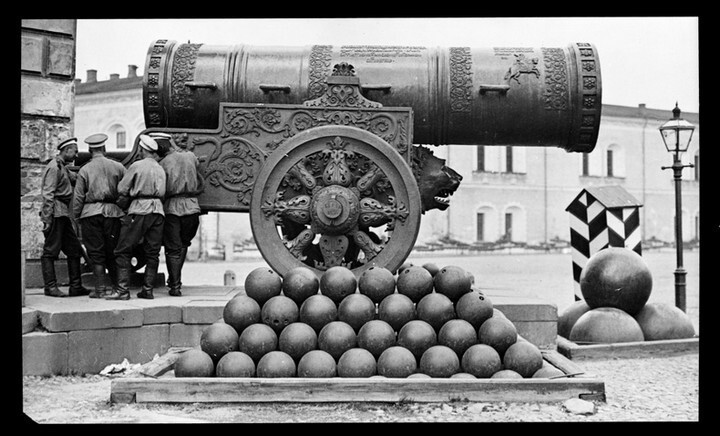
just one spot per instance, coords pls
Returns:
(381, 53)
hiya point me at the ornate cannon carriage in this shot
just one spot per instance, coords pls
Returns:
(317, 143)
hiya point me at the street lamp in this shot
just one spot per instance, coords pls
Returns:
(676, 134)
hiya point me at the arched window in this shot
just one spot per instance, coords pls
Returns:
(486, 224)
(514, 224)
(117, 137)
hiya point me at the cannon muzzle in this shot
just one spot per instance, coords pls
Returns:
(526, 96)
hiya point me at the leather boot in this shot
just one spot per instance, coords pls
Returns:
(99, 273)
(51, 289)
(74, 274)
(174, 267)
(120, 291)
(148, 282)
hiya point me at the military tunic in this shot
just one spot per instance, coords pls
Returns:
(144, 182)
(57, 192)
(182, 210)
(94, 203)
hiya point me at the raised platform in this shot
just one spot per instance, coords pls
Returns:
(79, 335)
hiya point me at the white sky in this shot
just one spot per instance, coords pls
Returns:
(651, 60)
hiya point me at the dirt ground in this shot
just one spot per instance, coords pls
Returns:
(646, 388)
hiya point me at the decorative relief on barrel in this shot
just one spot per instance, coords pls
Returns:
(183, 70)
(588, 67)
(522, 65)
(232, 165)
(320, 61)
(556, 80)
(461, 75)
(152, 83)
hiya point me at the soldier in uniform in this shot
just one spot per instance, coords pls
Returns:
(94, 204)
(144, 185)
(182, 211)
(58, 226)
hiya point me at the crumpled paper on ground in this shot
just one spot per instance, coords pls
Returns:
(123, 368)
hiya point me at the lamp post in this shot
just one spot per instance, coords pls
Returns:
(676, 134)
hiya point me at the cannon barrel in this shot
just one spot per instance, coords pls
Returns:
(546, 96)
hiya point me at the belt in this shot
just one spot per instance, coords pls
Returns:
(146, 196)
(181, 195)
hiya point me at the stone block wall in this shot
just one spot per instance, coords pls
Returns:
(47, 90)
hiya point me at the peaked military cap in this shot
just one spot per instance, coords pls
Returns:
(148, 143)
(160, 135)
(67, 142)
(96, 140)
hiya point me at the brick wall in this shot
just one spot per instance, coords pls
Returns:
(47, 68)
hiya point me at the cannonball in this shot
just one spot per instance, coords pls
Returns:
(262, 283)
(415, 282)
(396, 362)
(278, 312)
(297, 339)
(457, 334)
(337, 283)
(336, 338)
(661, 321)
(616, 277)
(524, 358)
(257, 340)
(569, 316)
(218, 339)
(417, 336)
(356, 309)
(498, 332)
(240, 312)
(439, 361)
(317, 311)
(276, 364)
(194, 363)
(452, 281)
(397, 310)
(377, 283)
(606, 325)
(376, 336)
(356, 362)
(235, 364)
(481, 360)
(436, 309)
(317, 364)
(299, 284)
(475, 308)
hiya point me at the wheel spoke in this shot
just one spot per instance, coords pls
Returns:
(298, 245)
(333, 249)
(297, 209)
(374, 213)
(370, 248)
(369, 179)
(305, 177)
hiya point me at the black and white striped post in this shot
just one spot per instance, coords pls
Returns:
(601, 217)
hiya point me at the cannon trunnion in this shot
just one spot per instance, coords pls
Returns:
(317, 143)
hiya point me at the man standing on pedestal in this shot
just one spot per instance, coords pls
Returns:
(182, 210)
(57, 191)
(94, 204)
(144, 184)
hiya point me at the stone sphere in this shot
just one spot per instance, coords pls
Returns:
(605, 325)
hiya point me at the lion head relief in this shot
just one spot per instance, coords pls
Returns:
(436, 181)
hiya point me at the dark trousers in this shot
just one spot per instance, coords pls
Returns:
(62, 236)
(133, 229)
(178, 232)
(100, 236)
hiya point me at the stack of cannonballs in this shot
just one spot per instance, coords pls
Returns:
(616, 284)
(423, 322)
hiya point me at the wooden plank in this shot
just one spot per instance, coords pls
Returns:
(563, 363)
(211, 389)
(163, 364)
(572, 350)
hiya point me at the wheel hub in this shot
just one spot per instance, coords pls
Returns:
(335, 210)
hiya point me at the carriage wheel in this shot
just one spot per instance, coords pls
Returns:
(335, 195)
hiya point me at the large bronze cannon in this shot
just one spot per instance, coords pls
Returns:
(318, 143)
